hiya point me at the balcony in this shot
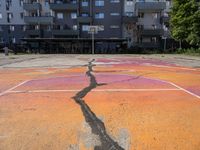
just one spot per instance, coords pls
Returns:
(84, 19)
(151, 32)
(131, 19)
(67, 32)
(164, 19)
(32, 32)
(63, 6)
(38, 20)
(150, 6)
(32, 6)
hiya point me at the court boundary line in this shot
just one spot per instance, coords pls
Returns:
(171, 83)
(174, 67)
(98, 90)
(12, 88)
(178, 88)
(186, 91)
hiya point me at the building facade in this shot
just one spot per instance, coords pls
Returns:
(62, 25)
(146, 22)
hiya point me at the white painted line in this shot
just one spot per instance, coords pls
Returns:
(162, 66)
(14, 87)
(177, 86)
(65, 76)
(96, 90)
(195, 95)
(136, 90)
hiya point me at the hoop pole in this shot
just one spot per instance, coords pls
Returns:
(93, 52)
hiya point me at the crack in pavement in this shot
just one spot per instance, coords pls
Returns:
(97, 126)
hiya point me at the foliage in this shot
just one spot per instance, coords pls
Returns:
(184, 22)
(189, 51)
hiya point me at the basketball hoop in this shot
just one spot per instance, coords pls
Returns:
(93, 29)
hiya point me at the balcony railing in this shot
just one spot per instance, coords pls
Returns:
(38, 19)
(84, 19)
(151, 32)
(32, 6)
(130, 19)
(150, 6)
(164, 19)
(63, 6)
(32, 32)
(68, 32)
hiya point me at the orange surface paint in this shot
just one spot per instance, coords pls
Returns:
(145, 119)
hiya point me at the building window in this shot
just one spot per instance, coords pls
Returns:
(129, 2)
(12, 28)
(99, 3)
(85, 27)
(60, 15)
(47, 14)
(46, 2)
(155, 15)
(73, 15)
(114, 1)
(8, 4)
(21, 2)
(129, 14)
(99, 15)
(24, 28)
(114, 27)
(22, 15)
(84, 14)
(13, 40)
(9, 17)
(114, 14)
(140, 27)
(1, 39)
(73, 1)
(84, 3)
(141, 15)
(75, 27)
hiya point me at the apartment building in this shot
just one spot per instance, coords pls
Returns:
(146, 22)
(11, 21)
(62, 25)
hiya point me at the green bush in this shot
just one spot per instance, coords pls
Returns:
(190, 51)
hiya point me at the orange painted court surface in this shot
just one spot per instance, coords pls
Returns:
(145, 104)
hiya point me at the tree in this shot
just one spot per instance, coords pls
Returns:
(194, 36)
(184, 22)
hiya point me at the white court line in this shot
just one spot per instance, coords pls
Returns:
(96, 90)
(171, 83)
(14, 87)
(177, 86)
(65, 76)
(162, 66)
(195, 95)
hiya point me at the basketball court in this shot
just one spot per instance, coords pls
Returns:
(113, 102)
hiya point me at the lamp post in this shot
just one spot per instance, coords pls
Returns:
(165, 42)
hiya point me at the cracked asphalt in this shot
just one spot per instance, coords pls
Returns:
(99, 102)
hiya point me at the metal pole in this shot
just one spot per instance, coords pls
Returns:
(165, 43)
(180, 44)
(93, 52)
